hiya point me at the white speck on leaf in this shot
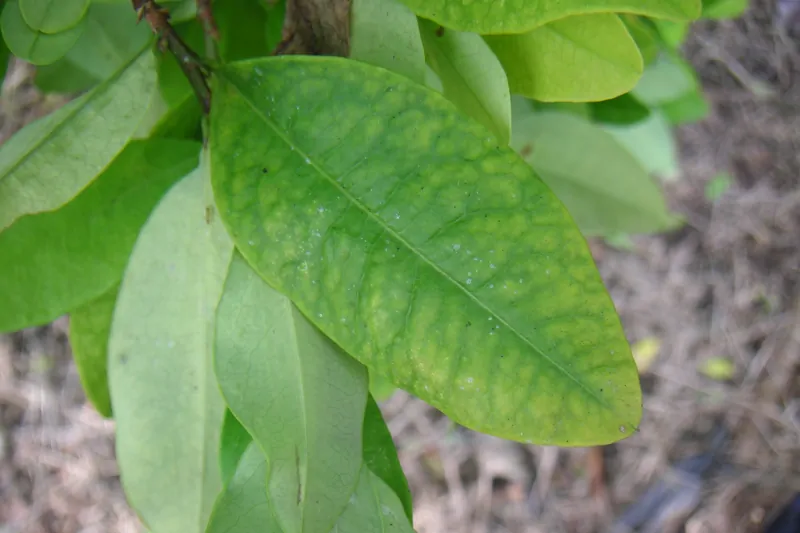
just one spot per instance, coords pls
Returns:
(456, 247)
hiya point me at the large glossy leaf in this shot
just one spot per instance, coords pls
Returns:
(167, 404)
(471, 76)
(602, 185)
(53, 16)
(380, 455)
(62, 259)
(422, 247)
(384, 33)
(244, 507)
(577, 59)
(89, 326)
(31, 45)
(49, 162)
(518, 16)
(268, 354)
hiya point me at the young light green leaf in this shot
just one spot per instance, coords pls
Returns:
(471, 76)
(652, 144)
(89, 326)
(380, 455)
(576, 59)
(718, 186)
(67, 257)
(243, 507)
(267, 353)
(53, 16)
(36, 176)
(603, 186)
(421, 246)
(31, 45)
(673, 34)
(380, 387)
(384, 33)
(233, 442)
(519, 16)
(645, 36)
(724, 9)
(624, 109)
(167, 405)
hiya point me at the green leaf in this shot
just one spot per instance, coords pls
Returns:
(172, 82)
(718, 186)
(652, 144)
(665, 80)
(242, 29)
(233, 442)
(603, 186)
(31, 45)
(380, 455)
(5, 56)
(167, 405)
(36, 176)
(420, 246)
(53, 16)
(624, 109)
(471, 76)
(645, 36)
(89, 326)
(276, 14)
(691, 107)
(380, 387)
(267, 353)
(111, 39)
(576, 59)
(724, 9)
(518, 16)
(243, 506)
(67, 257)
(672, 33)
(384, 33)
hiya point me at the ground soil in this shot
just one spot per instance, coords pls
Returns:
(727, 285)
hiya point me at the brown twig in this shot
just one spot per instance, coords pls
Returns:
(206, 16)
(191, 65)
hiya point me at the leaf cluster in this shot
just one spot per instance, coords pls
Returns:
(243, 285)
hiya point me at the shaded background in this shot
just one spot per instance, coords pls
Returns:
(725, 288)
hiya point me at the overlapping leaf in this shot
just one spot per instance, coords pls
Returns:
(53, 16)
(62, 259)
(576, 59)
(471, 76)
(420, 246)
(89, 326)
(166, 401)
(31, 45)
(384, 33)
(518, 16)
(35, 173)
(602, 185)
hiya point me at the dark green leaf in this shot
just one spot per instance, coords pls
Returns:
(233, 442)
(518, 16)
(31, 45)
(5, 56)
(242, 28)
(167, 405)
(64, 77)
(385, 33)
(380, 455)
(420, 246)
(624, 109)
(276, 12)
(53, 16)
(64, 258)
(471, 76)
(602, 185)
(575, 59)
(172, 82)
(35, 174)
(268, 354)
(89, 326)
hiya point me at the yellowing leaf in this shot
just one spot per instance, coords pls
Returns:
(645, 352)
(718, 368)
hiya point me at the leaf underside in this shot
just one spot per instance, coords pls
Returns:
(420, 246)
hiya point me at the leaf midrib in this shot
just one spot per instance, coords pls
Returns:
(416, 252)
(89, 97)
